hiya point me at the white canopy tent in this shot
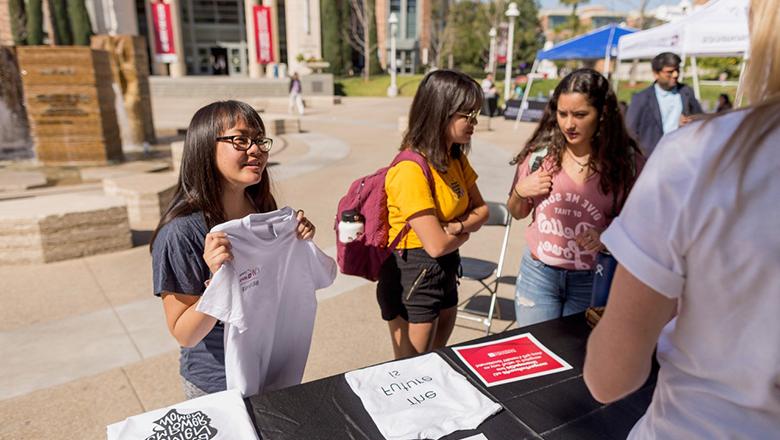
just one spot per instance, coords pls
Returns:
(719, 28)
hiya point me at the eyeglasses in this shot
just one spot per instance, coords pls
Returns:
(471, 117)
(244, 143)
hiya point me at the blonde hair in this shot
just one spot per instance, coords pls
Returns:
(761, 84)
(762, 77)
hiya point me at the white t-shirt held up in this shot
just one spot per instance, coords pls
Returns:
(265, 297)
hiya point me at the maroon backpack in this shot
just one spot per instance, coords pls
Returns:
(364, 256)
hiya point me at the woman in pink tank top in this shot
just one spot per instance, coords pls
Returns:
(573, 176)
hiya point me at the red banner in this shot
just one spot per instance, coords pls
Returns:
(510, 359)
(164, 48)
(263, 36)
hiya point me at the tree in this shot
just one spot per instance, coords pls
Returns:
(440, 31)
(469, 22)
(335, 49)
(18, 18)
(80, 26)
(574, 20)
(69, 22)
(60, 25)
(34, 22)
(468, 39)
(361, 35)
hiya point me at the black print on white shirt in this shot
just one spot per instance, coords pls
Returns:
(177, 426)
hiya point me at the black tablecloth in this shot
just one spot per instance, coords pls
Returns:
(555, 406)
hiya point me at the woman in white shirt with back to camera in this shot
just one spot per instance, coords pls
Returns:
(698, 243)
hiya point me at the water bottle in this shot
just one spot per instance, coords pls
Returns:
(351, 226)
(602, 278)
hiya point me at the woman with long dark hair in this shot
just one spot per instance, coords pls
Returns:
(417, 289)
(223, 177)
(573, 175)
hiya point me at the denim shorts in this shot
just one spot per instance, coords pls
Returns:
(191, 390)
(545, 292)
(416, 286)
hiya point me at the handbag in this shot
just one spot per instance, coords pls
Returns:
(602, 278)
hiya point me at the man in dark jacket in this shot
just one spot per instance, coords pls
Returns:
(664, 106)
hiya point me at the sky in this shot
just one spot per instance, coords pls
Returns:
(618, 5)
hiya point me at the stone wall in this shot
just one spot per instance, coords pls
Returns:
(71, 104)
(130, 70)
(15, 140)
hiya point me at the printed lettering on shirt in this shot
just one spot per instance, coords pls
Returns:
(249, 278)
(177, 426)
(407, 386)
(565, 206)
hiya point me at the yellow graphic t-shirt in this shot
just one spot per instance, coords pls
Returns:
(408, 193)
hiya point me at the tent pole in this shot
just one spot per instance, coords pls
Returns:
(741, 86)
(616, 78)
(696, 89)
(682, 68)
(608, 52)
(526, 93)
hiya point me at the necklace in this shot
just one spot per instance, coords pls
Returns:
(582, 165)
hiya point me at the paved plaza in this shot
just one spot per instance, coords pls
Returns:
(83, 342)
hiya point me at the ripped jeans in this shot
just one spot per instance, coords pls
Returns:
(546, 292)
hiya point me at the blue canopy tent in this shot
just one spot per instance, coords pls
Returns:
(597, 44)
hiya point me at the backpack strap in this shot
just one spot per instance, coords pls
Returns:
(542, 152)
(420, 160)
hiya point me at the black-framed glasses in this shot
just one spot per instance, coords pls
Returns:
(471, 117)
(244, 143)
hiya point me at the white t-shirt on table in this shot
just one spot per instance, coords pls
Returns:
(419, 398)
(695, 232)
(217, 416)
(265, 297)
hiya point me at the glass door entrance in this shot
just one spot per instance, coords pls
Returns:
(236, 58)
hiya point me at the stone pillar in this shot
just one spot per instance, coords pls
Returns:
(274, 28)
(179, 68)
(157, 68)
(6, 39)
(255, 69)
(381, 12)
(303, 33)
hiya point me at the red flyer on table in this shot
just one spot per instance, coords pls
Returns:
(510, 359)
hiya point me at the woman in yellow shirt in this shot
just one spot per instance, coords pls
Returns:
(417, 289)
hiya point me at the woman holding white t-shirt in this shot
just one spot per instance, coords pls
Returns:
(698, 249)
(573, 175)
(223, 177)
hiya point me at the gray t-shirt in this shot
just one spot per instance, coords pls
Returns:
(178, 266)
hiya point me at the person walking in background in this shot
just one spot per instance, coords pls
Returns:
(573, 175)
(724, 103)
(664, 106)
(698, 249)
(418, 285)
(296, 94)
(223, 177)
(490, 94)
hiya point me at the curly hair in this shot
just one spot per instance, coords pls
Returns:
(613, 151)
